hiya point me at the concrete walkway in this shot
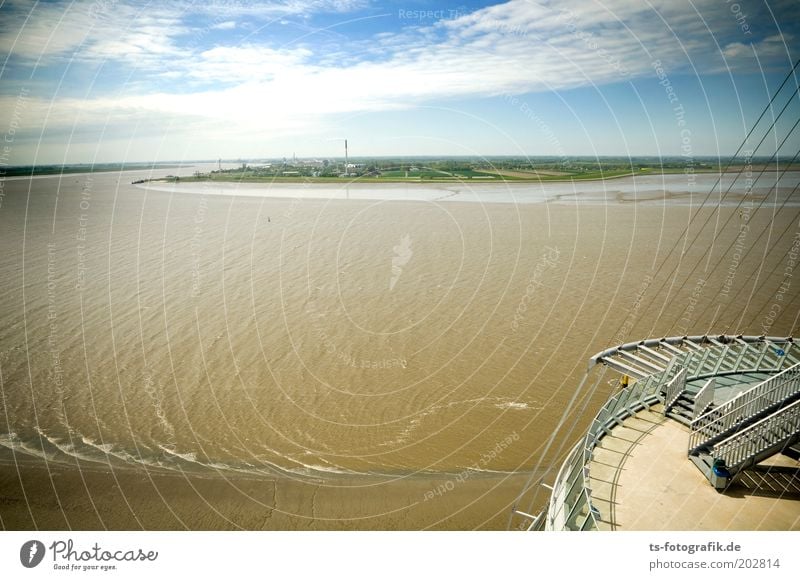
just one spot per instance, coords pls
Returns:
(642, 479)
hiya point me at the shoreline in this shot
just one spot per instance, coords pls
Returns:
(649, 190)
(501, 180)
(367, 180)
(372, 181)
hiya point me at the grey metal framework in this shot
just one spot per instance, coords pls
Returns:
(708, 355)
(756, 401)
(666, 369)
(760, 440)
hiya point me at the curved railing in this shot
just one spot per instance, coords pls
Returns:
(710, 355)
(570, 506)
(571, 502)
(570, 497)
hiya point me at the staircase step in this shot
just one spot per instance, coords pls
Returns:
(683, 420)
(792, 452)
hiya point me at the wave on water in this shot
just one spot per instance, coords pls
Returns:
(311, 469)
(415, 421)
(14, 443)
(513, 405)
(74, 447)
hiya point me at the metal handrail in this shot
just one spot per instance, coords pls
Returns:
(744, 406)
(774, 350)
(571, 496)
(570, 475)
(745, 445)
(704, 398)
(674, 389)
(567, 506)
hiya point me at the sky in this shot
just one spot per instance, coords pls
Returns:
(95, 81)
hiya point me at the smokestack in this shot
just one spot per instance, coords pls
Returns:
(345, 156)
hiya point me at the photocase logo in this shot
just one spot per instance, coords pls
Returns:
(403, 255)
(31, 553)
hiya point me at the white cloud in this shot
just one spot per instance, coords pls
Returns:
(92, 31)
(771, 46)
(127, 30)
(259, 87)
(245, 64)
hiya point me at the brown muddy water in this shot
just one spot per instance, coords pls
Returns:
(178, 358)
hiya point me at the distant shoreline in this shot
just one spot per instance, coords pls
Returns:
(498, 180)
(387, 180)
(232, 176)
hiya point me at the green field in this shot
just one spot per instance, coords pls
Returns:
(451, 169)
(430, 173)
(424, 169)
(395, 175)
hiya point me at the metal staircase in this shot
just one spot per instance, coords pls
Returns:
(745, 409)
(684, 373)
(760, 440)
(747, 429)
(740, 432)
(691, 402)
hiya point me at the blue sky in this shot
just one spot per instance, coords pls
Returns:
(108, 80)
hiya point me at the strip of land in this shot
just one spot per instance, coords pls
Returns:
(409, 170)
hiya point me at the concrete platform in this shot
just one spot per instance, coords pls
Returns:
(642, 479)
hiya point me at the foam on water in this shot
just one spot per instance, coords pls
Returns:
(512, 405)
(12, 442)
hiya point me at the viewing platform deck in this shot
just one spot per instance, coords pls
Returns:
(702, 434)
(641, 480)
